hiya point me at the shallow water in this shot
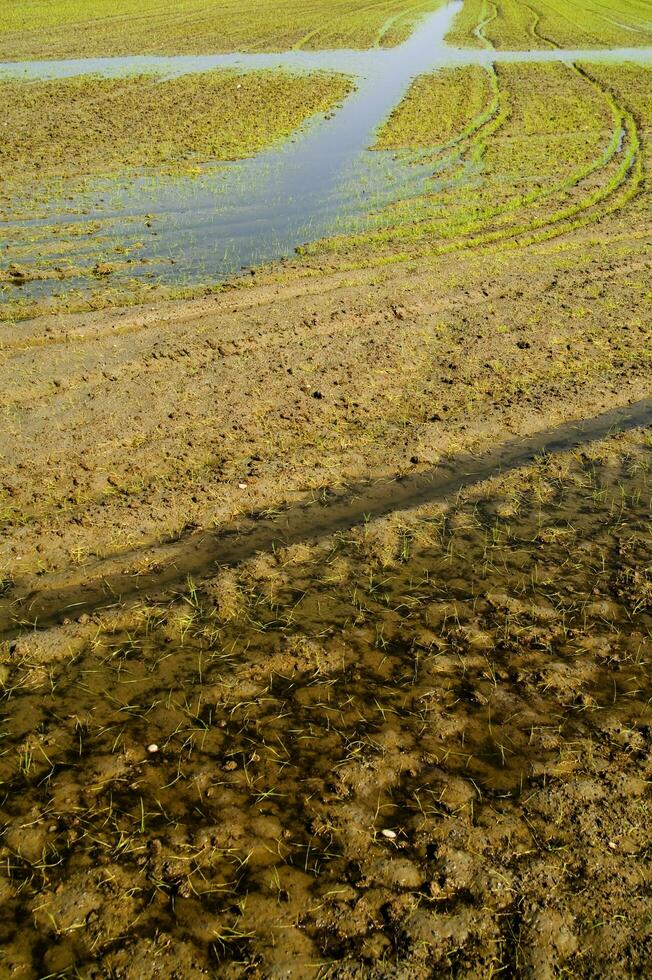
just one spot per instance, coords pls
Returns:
(323, 181)
(410, 731)
(261, 209)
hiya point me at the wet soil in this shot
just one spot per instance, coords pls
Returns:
(106, 586)
(532, 151)
(119, 27)
(123, 431)
(61, 133)
(419, 748)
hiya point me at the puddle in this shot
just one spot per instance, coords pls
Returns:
(322, 182)
(377, 752)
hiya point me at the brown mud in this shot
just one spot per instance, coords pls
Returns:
(420, 748)
(123, 430)
(197, 553)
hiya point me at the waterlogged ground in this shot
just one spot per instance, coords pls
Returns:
(250, 726)
(418, 748)
(477, 154)
(77, 145)
(212, 224)
(86, 126)
(40, 29)
(523, 153)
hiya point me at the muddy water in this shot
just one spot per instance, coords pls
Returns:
(322, 182)
(375, 754)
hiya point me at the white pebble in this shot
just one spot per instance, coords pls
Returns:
(152, 748)
(242, 486)
(389, 834)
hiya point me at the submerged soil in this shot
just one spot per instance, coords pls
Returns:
(498, 158)
(83, 28)
(420, 748)
(124, 430)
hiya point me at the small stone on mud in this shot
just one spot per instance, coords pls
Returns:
(152, 748)
(242, 486)
(389, 834)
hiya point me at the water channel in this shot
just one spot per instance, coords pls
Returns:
(323, 181)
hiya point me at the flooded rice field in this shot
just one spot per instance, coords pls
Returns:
(419, 747)
(174, 231)
(326, 590)
(260, 209)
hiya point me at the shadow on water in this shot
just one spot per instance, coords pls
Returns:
(324, 181)
(200, 552)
